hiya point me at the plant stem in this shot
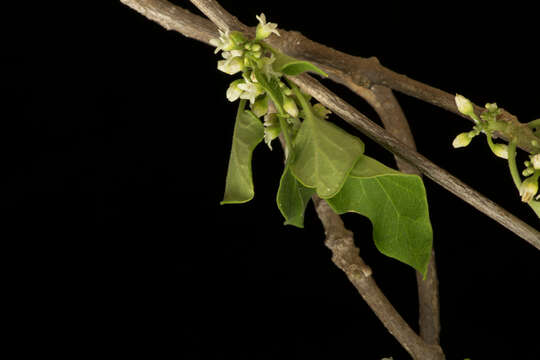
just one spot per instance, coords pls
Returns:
(512, 164)
(288, 141)
(490, 142)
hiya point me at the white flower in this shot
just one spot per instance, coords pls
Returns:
(289, 105)
(232, 65)
(462, 140)
(535, 161)
(232, 53)
(250, 91)
(271, 129)
(264, 29)
(234, 92)
(224, 42)
(528, 188)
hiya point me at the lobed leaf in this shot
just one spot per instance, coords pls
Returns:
(248, 133)
(397, 207)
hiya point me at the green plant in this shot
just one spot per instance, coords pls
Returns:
(321, 158)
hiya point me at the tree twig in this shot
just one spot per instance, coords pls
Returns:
(387, 107)
(346, 257)
(347, 69)
(348, 113)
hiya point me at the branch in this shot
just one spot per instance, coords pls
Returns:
(432, 171)
(387, 107)
(353, 71)
(351, 115)
(345, 255)
(175, 18)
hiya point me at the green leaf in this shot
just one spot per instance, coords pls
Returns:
(292, 199)
(324, 155)
(291, 66)
(397, 206)
(248, 133)
(367, 166)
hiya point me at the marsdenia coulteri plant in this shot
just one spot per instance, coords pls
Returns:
(488, 123)
(321, 158)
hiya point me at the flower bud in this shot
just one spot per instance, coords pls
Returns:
(260, 106)
(289, 105)
(528, 172)
(321, 111)
(535, 161)
(500, 150)
(462, 140)
(528, 188)
(464, 105)
(234, 92)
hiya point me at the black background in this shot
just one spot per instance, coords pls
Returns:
(115, 152)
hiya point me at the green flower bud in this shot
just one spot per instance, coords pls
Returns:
(321, 111)
(260, 106)
(500, 150)
(528, 188)
(492, 107)
(289, 105)
(465, 107)
(535, 161)
(462, 140)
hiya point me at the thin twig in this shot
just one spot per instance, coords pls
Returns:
(432, 171)
(347, 69)
(387, 107)
(346, 257)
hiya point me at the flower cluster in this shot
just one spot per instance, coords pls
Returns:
(256, 60)
(483, 124)
(487, 123)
